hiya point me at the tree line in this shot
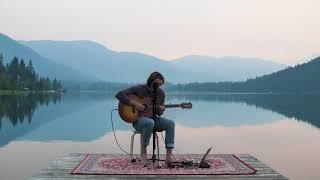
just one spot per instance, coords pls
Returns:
(299, 78)
(17, 75)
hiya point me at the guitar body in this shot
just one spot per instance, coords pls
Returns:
(130, 114)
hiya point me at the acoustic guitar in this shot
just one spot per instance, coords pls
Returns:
(130, 114)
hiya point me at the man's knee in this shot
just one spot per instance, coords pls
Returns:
(171, 123)
(149, 124)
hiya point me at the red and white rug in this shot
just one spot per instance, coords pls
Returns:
(109, 164)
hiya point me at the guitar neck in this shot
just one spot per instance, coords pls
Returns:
(171, 105)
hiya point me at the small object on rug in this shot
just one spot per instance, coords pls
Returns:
(204, 164)
(109, 164)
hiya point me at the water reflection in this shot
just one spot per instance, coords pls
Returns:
(234, 123)
(302, 107)
(36, 111)
(22, 107)
(86, 117)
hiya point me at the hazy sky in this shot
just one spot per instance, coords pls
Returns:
(285, 31)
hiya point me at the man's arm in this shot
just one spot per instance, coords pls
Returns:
(162, 95)
(122, 95)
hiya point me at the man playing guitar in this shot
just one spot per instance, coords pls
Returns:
(145, 124)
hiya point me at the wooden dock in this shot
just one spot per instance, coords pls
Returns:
(60, 169)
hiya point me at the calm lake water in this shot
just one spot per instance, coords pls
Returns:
(280, 130)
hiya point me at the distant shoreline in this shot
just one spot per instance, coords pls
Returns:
(21, 92)
(12, 92)
(170, 92)
(184, 92)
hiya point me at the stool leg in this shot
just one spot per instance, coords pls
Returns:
(158, 147)
(131, 146)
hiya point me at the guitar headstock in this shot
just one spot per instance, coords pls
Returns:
(185, 105)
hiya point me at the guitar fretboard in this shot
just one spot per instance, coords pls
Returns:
(171, 105)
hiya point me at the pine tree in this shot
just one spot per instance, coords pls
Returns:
(31, 70)
(2, 73)
(59, 85)
(2, 67)
(47, 84)
(13, 68)
(31, 76)
(22, 68)
(55, 85)
(22, 74)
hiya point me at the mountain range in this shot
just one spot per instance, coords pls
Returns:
(301, 78)
(44, 66)
(228, 68)
(88, 60)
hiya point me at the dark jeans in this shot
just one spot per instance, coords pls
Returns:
(145, 126)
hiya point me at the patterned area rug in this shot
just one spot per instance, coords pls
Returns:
(107, 164)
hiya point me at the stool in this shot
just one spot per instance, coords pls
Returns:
(132, 142)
